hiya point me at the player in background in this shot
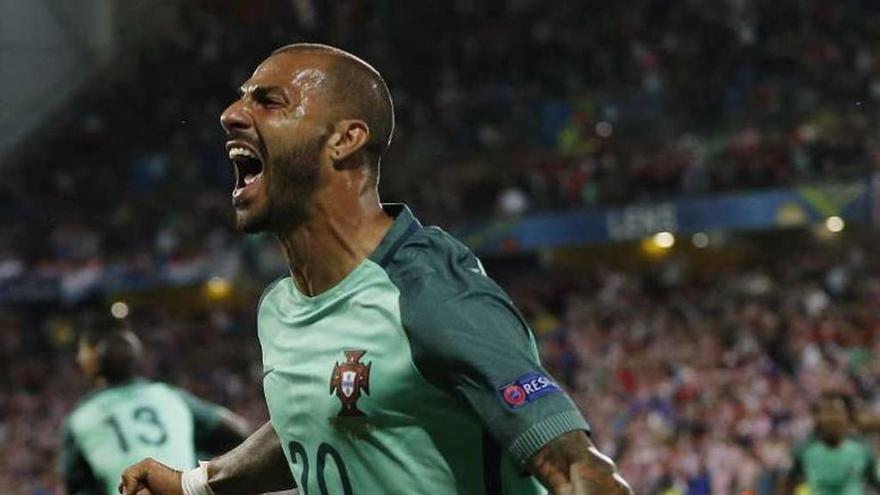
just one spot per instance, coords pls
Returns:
(391, 362)
(126, 417)
(832, 460)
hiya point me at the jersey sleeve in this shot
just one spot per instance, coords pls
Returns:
(872, 469)
(468, 339)
(206, 416)
(76, 474)
(796, 471)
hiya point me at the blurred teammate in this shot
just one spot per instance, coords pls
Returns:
(392, 363)
(833, 461)
(126, 418)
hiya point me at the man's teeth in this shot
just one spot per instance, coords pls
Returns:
(240, 151)
(250, 178)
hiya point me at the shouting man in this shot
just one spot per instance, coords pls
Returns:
(391, 362)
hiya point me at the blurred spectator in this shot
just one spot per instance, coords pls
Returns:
(513, 107)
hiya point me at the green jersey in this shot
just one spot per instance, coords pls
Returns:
(118, 426)
(415, 374)
(840, 470)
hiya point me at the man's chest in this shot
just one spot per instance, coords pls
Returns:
(349, 368)
(834, 467)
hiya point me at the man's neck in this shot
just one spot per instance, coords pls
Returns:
(832, 441)
(338, 238)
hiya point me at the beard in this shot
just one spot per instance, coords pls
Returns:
(292, 181)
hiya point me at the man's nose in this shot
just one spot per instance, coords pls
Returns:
(234, 118)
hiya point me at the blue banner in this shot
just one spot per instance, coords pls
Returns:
(757, 210)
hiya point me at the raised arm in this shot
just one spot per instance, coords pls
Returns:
(231, 430)
(256, 466)
(572, 465)
(216, 428)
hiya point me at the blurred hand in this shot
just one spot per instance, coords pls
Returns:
(595, 478)
(571, 465)
(150, 477)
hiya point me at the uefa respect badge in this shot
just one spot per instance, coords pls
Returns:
(527, 388)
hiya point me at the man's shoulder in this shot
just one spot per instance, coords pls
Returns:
(800, 446)
(83, 402)
(432, 257)
(859, 443)
(814, 445)
(444, 290)
(101, 397)
(90, 404)
(274, 285)
(434, 241)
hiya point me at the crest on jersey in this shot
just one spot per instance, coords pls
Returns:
(349, 379)
(527, 388)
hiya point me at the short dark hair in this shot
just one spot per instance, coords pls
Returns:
(361, 92)
(119, 352)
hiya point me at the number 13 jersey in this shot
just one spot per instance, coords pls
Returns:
(115, 427)
(413, 375)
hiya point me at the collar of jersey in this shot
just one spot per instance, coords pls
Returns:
(137, 380)
(328, 295)
(404, 224)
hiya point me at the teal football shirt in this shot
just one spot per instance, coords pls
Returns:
(118, 426)
(413, 375)
(840, 470)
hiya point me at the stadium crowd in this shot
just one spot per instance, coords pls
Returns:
(512, 107)
(704, 389)
(702, 380)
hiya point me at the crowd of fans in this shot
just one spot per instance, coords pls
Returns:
(701, 381)
(697, 381)
(503, 107)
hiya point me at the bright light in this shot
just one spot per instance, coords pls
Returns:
(664, 240)
(119, 310)
(604, 129)
(700, 240)
(218, 288)
(834, 224)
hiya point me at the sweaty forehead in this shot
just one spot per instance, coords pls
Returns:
(294, 71)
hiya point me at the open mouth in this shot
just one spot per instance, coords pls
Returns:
(248, 166)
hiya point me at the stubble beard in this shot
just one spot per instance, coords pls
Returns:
(293, 179)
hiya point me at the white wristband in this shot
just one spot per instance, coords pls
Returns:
(195, 481)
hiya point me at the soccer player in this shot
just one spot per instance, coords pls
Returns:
(391, 362)
(126, 418)
(833, 461)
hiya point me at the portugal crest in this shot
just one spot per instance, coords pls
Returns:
(348, 380)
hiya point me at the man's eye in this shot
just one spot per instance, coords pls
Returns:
(268, 101)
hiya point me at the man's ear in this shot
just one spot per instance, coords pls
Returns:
(348, 137)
